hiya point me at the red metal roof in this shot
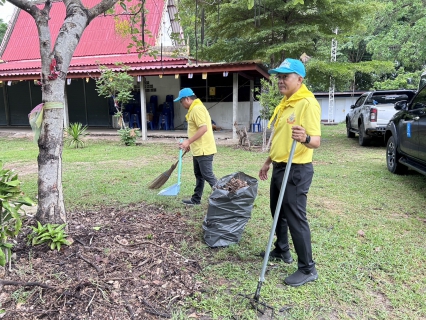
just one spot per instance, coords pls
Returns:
(128, 59)
(100, 45)
(99, 38)
(167, 66)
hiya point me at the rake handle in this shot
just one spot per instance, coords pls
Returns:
(274, 224)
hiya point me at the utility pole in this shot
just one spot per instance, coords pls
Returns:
(331, 88)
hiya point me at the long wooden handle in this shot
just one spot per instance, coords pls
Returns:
(180, 157)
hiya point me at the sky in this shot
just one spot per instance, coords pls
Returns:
(6, 11)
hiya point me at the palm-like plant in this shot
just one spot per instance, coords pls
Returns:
(75, 133)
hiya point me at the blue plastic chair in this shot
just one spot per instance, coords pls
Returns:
(150, 111)
(168, 112)
(169, 100)
(154, 100)
(257, 125)
(134, 118)
(150, 120)
(163, 122)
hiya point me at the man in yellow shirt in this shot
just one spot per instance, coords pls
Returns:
(297, 117)
(200, 141)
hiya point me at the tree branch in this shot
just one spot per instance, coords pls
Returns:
(24, 284)
(101, 7)
(26, 6)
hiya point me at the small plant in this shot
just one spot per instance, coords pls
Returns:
(11, 214)
(269, 97)
(74, 135)
(21, 296)
(53, 234)
(128, 136)
(118, 84)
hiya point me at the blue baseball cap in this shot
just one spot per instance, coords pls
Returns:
(290, 66)
(185, 92)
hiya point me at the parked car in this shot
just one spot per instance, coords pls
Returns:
(371, 113)
(405, 136)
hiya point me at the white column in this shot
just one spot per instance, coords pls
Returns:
(234, 104)
(143, 109)
(251, 104)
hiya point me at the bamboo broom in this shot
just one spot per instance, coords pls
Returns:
(162, 178)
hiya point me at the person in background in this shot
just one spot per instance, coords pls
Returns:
(297, 117)
(200, 141)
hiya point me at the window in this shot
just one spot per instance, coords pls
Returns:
(419, 102)
(360, 101)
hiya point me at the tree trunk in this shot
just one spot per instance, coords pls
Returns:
(51, 207)
(54, 66)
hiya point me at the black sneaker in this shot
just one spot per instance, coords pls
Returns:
(278, 255)
(299, 278)
(190, 202)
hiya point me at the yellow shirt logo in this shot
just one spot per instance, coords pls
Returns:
(291, 119)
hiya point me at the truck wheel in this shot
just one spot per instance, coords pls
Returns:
(393, 156)
(349, 133)
(363, 139)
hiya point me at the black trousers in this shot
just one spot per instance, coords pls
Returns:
(203, 171)
(292, 215)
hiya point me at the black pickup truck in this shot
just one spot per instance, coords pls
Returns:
(405, 136)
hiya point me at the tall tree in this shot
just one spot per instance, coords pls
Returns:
(271, 31)
(56, 56)
(3, 28)
(399, 34)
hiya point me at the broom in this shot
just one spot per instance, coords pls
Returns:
(162, 178)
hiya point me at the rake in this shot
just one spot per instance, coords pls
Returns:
(255, 301)
(162, 178)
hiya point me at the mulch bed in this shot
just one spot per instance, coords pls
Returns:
(130, 268)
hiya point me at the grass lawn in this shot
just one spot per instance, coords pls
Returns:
(368, 225)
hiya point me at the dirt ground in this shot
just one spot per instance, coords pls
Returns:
(128, 265)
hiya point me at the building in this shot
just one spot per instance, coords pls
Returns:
(224, 87)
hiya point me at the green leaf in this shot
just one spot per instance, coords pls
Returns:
(2, 258)
(97, 228)
(60, 227)
(13, 183)
(6, 245)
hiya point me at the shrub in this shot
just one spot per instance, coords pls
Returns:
(11, 213)
(128, 136)
(53, 234)
(75, 133)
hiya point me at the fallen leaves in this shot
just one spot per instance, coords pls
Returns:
(233, 185)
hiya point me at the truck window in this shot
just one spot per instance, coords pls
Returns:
(360, 101)
(422, 81)
(388, 99)
(419, 101)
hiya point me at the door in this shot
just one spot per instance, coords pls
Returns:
(422, 136)
(412, 127)
(356, 111)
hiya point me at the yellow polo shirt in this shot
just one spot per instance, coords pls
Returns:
(301, 109)
(196, 117)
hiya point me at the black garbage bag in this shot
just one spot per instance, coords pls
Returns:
(229, 209)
